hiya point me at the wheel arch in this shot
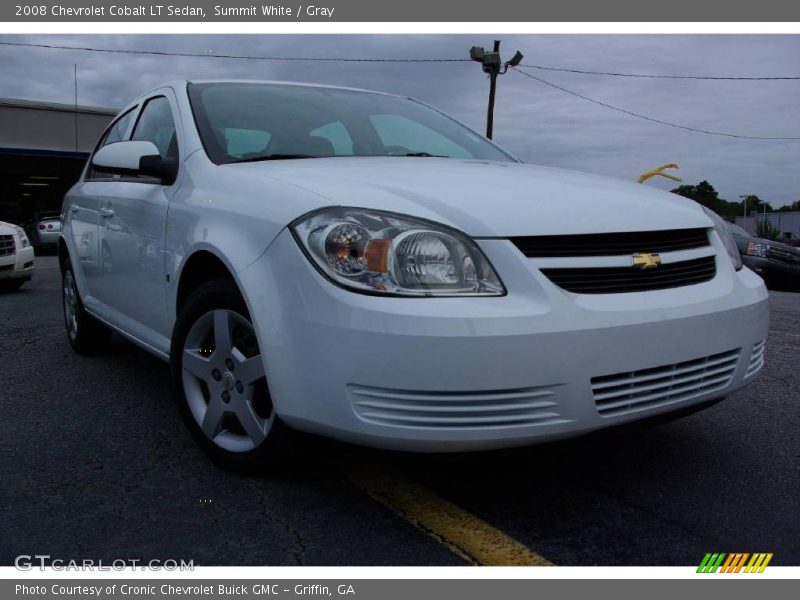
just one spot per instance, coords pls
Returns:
(205, 264)
(63, 254)
(199, 267)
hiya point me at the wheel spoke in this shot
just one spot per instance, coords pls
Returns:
(222, 333)
(253, 425)
(212, 420)
(250, 370)
(196, 364)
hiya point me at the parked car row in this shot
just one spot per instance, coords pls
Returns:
(777, 263)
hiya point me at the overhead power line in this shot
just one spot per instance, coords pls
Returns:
(344, 59)
(378, 60)
(239, 56)
(649, 76)
(646, 118)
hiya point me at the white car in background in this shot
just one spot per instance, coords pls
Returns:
(16, 256)
(360, 265)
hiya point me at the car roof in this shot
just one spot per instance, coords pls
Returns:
(182, 83)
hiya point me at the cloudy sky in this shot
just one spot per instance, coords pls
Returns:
(538, 123)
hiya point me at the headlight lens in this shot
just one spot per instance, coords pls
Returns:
(726, 236)
(384, 253)
(757, 249)
(23, 237)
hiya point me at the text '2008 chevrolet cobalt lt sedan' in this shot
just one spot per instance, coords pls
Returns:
(360, 265)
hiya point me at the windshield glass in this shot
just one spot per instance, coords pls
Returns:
(258, 121)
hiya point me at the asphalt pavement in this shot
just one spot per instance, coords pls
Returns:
(95, 463)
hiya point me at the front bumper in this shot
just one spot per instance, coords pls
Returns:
(47, 238)
(18, 265)
(454, 374)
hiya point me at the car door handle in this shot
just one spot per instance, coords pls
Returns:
(106, 213)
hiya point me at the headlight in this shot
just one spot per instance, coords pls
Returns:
(757, 249)
(23, 237)
(383, 253)
(726, 236)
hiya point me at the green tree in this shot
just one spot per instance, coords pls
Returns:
(705, 194)
(793, 206)
(755, 204)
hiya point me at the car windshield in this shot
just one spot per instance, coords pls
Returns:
(240, 122)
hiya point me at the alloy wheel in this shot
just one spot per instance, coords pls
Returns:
(70, 305)
(224, 381)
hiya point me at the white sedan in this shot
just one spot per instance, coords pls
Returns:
(362, 266)
(16, 257)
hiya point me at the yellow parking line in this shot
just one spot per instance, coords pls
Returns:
(466, 535)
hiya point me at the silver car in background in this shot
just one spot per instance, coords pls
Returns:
(46, 232)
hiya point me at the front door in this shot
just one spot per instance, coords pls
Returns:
(132, 233)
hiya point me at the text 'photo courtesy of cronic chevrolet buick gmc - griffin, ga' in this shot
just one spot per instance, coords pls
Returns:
(361, 266)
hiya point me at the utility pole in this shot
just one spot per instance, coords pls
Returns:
(495, 71)
(493, 66)
(76, 106)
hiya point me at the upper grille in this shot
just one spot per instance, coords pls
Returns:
(784, 255)
(649, 388)
(613, 280)
(6, 245)
(611, 244)
(447, 410)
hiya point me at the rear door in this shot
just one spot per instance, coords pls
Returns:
(83, 213)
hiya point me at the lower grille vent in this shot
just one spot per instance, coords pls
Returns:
(448, 410)
(756, 359)
(649, 388)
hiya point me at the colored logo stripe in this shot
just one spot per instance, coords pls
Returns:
(711, 562)
(734, 562)
(758, 563)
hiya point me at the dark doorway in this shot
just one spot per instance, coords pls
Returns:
(33, 183)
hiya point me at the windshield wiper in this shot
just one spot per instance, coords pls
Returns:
(424, 154)
(272, 157)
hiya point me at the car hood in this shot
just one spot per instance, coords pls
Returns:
(485, 198)
(7, 228)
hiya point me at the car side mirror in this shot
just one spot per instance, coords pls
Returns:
(135, 158)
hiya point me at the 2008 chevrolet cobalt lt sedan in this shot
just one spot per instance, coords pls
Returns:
(360, 265)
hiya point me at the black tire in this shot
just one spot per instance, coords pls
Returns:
(278, 449)
(86, 335)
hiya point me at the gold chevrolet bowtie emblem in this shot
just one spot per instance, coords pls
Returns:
(644, 260)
